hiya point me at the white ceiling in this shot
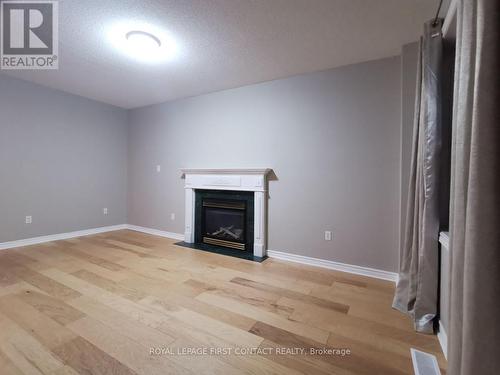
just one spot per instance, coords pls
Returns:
(223, 43)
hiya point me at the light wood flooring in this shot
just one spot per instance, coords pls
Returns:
(125, 302)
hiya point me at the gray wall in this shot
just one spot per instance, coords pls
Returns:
(63, 159)
(332, 138)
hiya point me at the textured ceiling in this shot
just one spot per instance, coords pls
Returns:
(223, 43)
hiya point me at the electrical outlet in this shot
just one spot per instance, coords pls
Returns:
(158, 168)
(328, 235)
(29, 219)
(172, 216)
(105, 211)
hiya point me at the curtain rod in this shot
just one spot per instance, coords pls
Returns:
(437, 13)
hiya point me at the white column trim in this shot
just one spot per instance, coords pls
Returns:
(259, 246)
(443, 339)
(189, 216)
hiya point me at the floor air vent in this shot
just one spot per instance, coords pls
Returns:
(424, 363)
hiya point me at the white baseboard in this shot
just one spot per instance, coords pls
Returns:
(60, 236)
(349, 268)
(157, 232)
(443, 339)
(87, 232)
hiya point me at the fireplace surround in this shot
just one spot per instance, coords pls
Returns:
(227, 209)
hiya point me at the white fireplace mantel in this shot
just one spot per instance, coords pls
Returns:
(247, 179)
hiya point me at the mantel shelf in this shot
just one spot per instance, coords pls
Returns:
(241, 171)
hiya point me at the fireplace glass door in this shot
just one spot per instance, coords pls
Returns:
(224, 223)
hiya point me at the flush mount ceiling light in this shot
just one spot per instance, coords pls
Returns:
(142, 42)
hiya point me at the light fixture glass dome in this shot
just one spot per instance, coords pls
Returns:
(142, 42)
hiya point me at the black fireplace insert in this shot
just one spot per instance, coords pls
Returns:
(225, 219)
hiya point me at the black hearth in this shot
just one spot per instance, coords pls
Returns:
(225, 219)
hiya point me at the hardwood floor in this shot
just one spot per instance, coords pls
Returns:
(129, 303)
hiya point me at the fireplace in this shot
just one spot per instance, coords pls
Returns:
(225, 219)
(226, 211)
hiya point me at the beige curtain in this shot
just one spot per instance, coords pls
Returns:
(474, 328)
(417, 288)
